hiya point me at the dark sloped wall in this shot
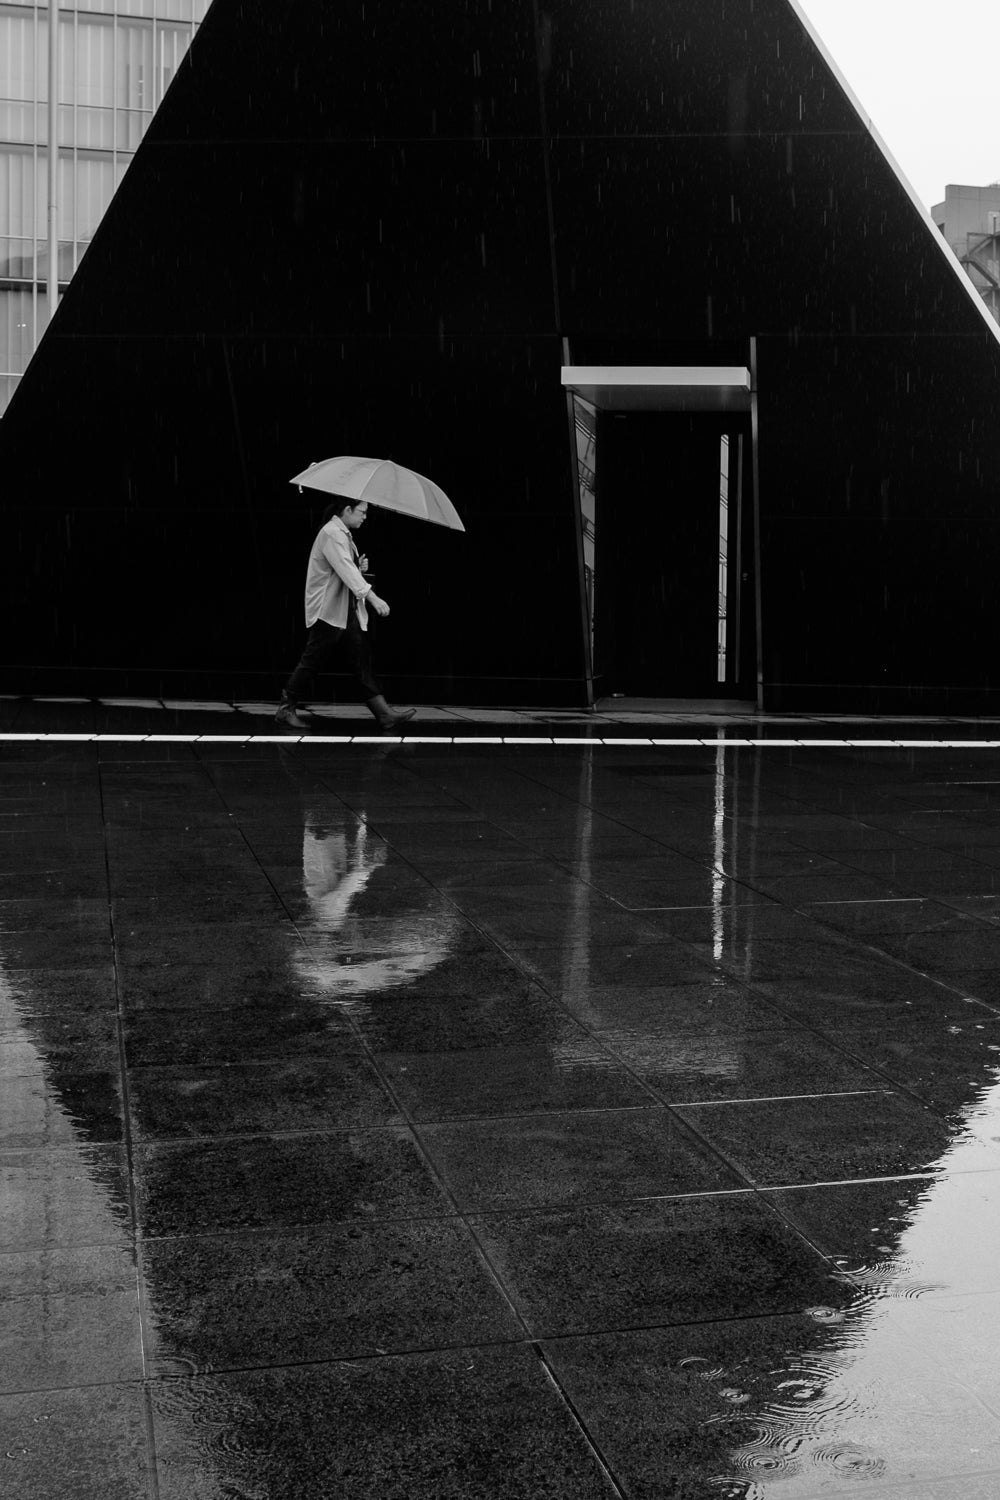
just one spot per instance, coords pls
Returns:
(334, 239)
(377, 228)
(882, 530)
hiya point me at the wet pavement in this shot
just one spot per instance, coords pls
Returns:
(453, 1118)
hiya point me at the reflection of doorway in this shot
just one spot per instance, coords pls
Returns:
(674, 591)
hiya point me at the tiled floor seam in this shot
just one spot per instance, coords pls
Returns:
(142, 1310)
(778, 1098)
(461, 1216)
(939, 978)
(577, 1418)
(153, 1380)
(833, 1039)
(656, 1104)
(732, 966)
(149, 1420)
(947, 901)
(127, 1138)
(894, 1085)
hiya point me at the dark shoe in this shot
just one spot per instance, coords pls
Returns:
(388, 719)
(396, 716)
(288, 717)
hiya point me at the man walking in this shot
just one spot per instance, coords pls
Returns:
(337, 602)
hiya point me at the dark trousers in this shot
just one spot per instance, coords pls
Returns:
(330, 649)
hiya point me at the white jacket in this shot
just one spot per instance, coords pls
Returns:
(332, 576)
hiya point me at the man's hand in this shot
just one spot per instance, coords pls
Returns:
(378, 605)
(363, 563)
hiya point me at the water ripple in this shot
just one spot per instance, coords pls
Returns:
(703, 1368)
(889, 1278)
(771, 1452)
(737, 1489)
(825, 1314)
(850, 1460)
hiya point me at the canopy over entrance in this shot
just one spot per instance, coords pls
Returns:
(660, 387)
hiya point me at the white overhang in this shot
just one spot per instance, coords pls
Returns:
(660, 387)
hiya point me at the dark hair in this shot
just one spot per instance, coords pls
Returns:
(337, 508)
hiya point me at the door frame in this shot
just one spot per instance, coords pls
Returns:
(668, 388)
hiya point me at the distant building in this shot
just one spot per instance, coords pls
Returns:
(969, 219)
(116, 58)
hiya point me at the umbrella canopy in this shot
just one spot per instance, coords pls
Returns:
(381, 482)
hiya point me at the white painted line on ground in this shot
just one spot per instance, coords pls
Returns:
(949, 744)
(84, 738)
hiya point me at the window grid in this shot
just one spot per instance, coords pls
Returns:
(117, 58)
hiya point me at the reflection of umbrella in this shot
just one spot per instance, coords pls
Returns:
(381, 482)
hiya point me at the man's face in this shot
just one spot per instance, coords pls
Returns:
(354, 515)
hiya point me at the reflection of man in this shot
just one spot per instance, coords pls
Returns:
(337, 602)
(412, 933)
(335, 869)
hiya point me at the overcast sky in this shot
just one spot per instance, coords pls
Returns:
(927, 73)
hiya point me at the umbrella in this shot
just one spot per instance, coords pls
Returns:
(381, 482)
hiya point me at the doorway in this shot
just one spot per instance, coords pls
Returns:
(673, 555)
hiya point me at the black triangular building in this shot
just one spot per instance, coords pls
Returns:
(433, 231)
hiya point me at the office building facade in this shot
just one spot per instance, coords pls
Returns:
(116, 58)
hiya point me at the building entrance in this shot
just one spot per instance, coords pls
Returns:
(664, 461)
(672, 576)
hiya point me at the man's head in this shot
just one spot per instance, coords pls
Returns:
(351, 512)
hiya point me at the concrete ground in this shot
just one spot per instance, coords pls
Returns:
(545, 1105)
